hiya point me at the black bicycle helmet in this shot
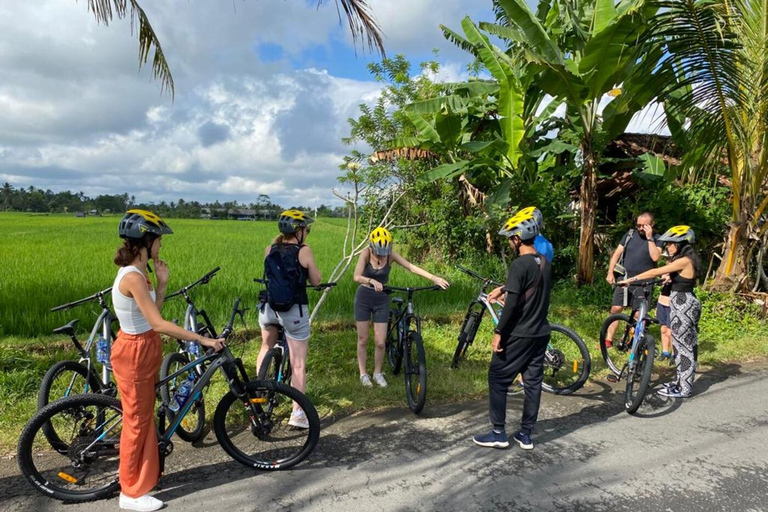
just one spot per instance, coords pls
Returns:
(291, 220)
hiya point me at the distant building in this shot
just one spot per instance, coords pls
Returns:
(241, 214)
(79, 214)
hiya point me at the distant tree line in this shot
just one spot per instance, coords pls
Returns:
(38, 200)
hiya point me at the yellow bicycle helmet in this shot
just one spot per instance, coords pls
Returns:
(136, 223)
(522, 225)
(380, 241)
(291, 220)
(678, 234)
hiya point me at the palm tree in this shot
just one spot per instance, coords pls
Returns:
(360, 18)
(7, 191)
(719, 50)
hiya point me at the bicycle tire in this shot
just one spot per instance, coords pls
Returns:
(567, 360)
(622, 346)
(394, 356)
(192, 426)
(47, 385)
(415, 365)
(641, 375)
(466, 336)
(241, 422)
(270, 367)
(30, 462)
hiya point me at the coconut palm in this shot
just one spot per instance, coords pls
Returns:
(719, 50)
(359, 17)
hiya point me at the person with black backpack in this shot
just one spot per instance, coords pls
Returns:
(288, 265)
(521, 336)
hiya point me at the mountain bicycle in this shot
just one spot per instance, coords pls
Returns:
(631, 355)
(404, 343)
(192, 428)
(567, 362)
(67, 378)
(276, 364)
(250, 423)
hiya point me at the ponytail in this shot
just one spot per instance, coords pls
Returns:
(131, 249)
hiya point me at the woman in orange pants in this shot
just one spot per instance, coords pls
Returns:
(137, 353)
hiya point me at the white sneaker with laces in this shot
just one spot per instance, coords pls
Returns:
(365, 380)
(144, 503)
(378, 378)
(298, 419)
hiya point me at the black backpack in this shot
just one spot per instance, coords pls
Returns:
(285, 276)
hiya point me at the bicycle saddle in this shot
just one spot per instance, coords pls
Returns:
(398, 300)
(67, 329)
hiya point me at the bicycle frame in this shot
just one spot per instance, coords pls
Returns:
(233, 369)
(102, 326)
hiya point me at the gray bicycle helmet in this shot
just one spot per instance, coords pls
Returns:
(136, 223)
(522, 225)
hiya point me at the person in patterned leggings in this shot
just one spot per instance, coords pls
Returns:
(685, 308)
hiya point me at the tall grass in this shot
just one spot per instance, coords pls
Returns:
(51, 260)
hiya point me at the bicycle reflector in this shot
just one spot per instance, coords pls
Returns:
(67, 478)
(259, 400)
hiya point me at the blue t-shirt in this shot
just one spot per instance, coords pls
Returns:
(544, 247)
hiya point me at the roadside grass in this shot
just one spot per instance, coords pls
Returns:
(730, 331)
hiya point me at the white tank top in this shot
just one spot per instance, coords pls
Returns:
(127, 311)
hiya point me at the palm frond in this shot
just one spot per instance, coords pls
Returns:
(458, 40)
(362, 24)
(105, 10)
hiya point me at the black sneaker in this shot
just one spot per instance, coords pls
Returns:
(492, 440)
(524, 440)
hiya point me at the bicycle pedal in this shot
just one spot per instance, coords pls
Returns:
(613, 378)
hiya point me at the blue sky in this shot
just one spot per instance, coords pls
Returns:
(263, 93)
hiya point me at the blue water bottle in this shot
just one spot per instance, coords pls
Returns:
(102, 350)
(182, 393)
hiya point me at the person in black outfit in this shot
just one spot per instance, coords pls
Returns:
(521, 336)
(638, 251)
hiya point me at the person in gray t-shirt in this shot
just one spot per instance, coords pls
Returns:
(639, 250)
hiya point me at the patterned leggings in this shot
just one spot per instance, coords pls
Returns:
(685, 311)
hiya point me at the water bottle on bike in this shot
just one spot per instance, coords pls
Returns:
(182, 393)
(102, 350)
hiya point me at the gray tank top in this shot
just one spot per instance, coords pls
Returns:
(379, 274)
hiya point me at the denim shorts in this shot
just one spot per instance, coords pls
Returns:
(662, 314)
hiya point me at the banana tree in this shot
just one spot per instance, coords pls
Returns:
(585, 51)
(721, 51)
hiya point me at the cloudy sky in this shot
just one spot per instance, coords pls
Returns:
(263, 92)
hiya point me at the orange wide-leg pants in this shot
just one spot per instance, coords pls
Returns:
(136, 360)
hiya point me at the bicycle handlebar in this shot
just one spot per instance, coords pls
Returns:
(392, 289)
(203, 280)
(474, 274)
(69, 305)
(640, 283)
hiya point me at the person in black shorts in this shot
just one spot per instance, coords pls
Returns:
(521, 336)
(662, 315)
(372, 272)
(638, 251)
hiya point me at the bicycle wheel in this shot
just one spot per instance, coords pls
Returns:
(192, 426)
(270, 367)
(63, 379)
(415, 372)
(394, 356)
(258, 435)
(88, 470)
(617, 355)
(567, 362)
(466, 336)
(640, 376)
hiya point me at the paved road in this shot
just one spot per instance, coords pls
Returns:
(708, 453)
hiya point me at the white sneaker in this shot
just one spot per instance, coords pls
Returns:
(378, 378)
(144, 503)
(365, 380)
(298, 419)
